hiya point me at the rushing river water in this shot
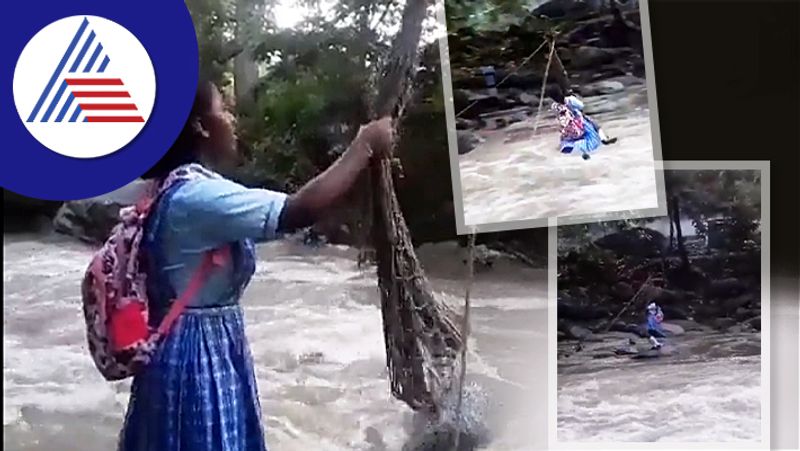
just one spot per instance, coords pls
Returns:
(514, 175)
(314, 326)
(707, 390)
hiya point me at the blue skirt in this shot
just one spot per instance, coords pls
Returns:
(588, 144)
(199, 393)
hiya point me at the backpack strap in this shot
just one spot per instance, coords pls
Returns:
(216, 257)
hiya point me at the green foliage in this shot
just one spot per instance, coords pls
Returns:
(732, 194)
(313, 79)
(214, 24)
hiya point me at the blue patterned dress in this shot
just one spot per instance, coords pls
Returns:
(199, 393)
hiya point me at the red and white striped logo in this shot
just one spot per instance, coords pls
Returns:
(103, 100)
(84, 86)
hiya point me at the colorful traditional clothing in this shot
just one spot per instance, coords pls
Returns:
(200, 393)
(577, 132)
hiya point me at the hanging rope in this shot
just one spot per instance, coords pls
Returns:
(514, 72)
(544, 84)
(625, 307)
(465, 334)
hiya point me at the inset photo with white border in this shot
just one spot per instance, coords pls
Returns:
(663, 323)
(552, 114)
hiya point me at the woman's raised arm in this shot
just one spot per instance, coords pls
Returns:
(305, 207)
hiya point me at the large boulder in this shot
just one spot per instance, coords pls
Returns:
(725, 288)
(663, 296)
(755, 323)
(18, 204)
(674, 312)
(601, 88)
(26, 214)
(724, 323)
(91, 220)
(467, 141)
(568, 308)
(564, 9)
(585, 57)
(638, 241)
(623, 291)
(576, 332)
(690, 326)
(672, 328)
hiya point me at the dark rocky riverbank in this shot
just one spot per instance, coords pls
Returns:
(598, 52)
(720, 290)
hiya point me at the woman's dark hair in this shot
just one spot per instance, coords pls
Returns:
(184, 149)
(555, 93)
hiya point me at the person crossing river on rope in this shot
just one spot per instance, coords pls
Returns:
(199, 391)
(578, 132)
(654, 330)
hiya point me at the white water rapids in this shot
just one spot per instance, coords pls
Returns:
(709, 390)
(314, 325)
(516, 175)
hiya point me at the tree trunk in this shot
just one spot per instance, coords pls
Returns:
(671, 234)
(249, 14)
(676, 218)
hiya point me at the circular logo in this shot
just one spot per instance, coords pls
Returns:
(84, 86)
(92, 93)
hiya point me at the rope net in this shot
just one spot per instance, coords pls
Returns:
(423, 341)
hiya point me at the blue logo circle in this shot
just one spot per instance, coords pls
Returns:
(93, 93)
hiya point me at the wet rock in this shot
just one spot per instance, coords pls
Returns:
(755, 323)
(690, 326)
(375, 439)
(608, 71)
(623, 291)
(16, 204)
(586, 56)
(558, 9)
(731, 306)
(571, 310)
(579, 332)
(619, 326)
(743, 314)
(638, 241)
(673, 328)
(466, 124)
(530, 98)
(628, 328)
(91, 220)
(723, 323)
(601, 87)
(486, 257)
(674, 312)
(467, 141)
(665, 297)
(628, 80)
(735, 329)
(604, 105)
(725, 288)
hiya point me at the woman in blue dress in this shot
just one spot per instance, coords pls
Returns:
(579, 133)
(199, 393)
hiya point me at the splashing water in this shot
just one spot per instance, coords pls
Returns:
(314, 325)
(516, 175)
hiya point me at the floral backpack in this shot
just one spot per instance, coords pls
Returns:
(572, 126)
(114, 290)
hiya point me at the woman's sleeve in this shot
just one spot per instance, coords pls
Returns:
(212, 212)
